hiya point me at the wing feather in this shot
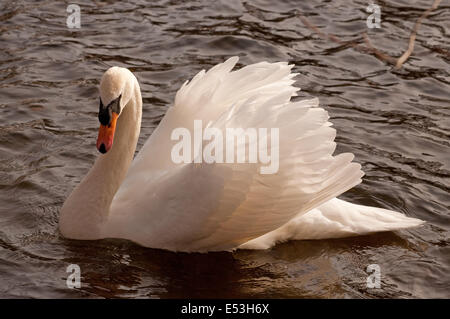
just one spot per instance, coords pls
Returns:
(223, 205)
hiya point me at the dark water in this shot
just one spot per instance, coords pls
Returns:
(396, 122)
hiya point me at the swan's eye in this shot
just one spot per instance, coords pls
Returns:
(105, 112)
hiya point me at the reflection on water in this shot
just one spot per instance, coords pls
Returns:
(395, 121)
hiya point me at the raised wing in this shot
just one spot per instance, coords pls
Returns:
(219, 206)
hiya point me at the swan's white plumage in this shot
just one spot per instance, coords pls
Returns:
(210, 207)
(334, 219)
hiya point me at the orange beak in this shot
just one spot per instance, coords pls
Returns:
(106, 135)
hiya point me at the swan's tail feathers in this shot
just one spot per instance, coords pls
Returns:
(335, 219)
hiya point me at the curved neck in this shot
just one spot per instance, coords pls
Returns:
(86, 209)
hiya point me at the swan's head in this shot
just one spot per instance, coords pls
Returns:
(115, 92)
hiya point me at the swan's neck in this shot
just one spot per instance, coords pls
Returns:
(86, 210)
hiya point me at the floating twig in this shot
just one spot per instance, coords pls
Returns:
(397, 62)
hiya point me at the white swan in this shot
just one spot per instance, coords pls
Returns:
(211, 207)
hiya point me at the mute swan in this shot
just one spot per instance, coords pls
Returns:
(199, 207)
